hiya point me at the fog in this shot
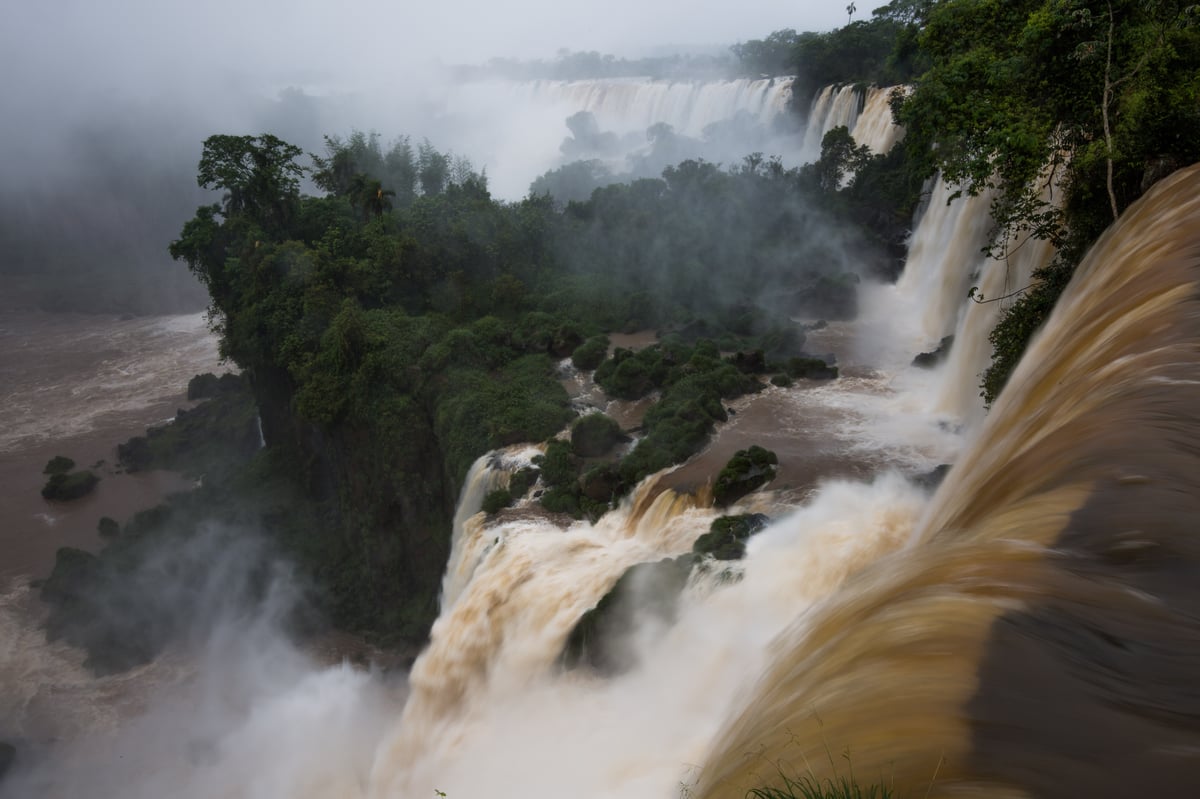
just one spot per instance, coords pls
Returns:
(105, 107)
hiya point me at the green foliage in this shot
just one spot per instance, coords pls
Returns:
(496, 501)
(64, 487)
(594, 435)
(591, 353)
(726, 536)
(59, 464)
(747, 471)
(1021, 95)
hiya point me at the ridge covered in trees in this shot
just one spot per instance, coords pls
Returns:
(403, 322)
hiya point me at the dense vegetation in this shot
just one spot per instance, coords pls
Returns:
(1072, 109)
(405, 322)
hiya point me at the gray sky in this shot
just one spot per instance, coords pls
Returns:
(152, 45)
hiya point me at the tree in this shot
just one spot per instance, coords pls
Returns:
(259, 175)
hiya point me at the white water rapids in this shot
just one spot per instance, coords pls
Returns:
(486, 710)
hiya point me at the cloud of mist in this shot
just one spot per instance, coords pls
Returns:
(105, 106)
(230, 707)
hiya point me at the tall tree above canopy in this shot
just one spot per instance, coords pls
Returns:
(259, 175)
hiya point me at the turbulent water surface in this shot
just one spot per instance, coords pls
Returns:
(1027, 631)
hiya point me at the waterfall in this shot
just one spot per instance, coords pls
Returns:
(864, 111)
(489, 472)
(634, 104)
(1032, 637)
(1030, 629)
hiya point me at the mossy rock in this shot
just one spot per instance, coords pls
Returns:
(59, 464)
(646, 589)
(928, 360)
(748, 470)
(66, 487)
(782, 380)
(594, 435)
(726, 536)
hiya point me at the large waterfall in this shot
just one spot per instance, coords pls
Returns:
(1030, 629)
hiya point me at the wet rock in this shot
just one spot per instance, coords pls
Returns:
(933, 478)
(647, 589)
(928, 360)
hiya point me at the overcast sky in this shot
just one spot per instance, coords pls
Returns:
(151, 45)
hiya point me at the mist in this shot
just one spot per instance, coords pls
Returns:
(105, 108)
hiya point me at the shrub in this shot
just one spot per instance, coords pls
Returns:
(594, 434)
(726, 536)
(107, 527)
(747, 471)
(65, 487)
(59, 464)
(591, 353)
(497, 500)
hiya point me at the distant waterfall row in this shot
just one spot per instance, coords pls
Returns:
(867, 112)
(635, 104)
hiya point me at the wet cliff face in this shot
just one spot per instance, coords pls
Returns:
(383, 506)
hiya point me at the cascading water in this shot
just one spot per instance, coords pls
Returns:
(1034, 637)
(468, 542)
(864, 111)
(1028, 631)
(634, 104)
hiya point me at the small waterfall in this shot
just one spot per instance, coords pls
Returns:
(508, 624)
(866, 112)
(833, 107)
(944, 255)
(488, 473)
(874, 126)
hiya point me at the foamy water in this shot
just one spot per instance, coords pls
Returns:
(68, 374)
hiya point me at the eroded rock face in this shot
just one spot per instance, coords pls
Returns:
(647, 589)
(928, 360)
